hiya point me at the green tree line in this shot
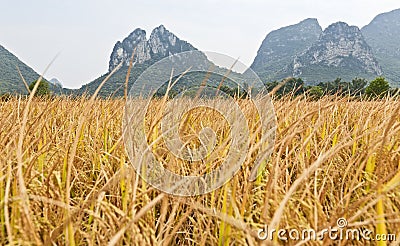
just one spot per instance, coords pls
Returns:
(358, 87)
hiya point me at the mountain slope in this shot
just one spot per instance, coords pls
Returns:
(382, 34)
(10, 80)
(280, 47)
(341, 51)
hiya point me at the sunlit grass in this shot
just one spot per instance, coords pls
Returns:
(333, 158)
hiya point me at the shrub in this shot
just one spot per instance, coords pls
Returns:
(42, 90)
(315, 92)
(377, 88)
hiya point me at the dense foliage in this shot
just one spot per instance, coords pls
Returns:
(358, 87)
(10, 79)
(43, 88)
(378, 87)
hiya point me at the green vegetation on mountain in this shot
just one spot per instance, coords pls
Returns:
(10, 79)
(115, 84)
(190, 81)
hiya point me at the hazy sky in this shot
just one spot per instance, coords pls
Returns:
(84, 32)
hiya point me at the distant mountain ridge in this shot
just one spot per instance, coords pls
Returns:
(301, 50)
(339, 51)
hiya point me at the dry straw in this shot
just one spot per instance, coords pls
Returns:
(65, 177)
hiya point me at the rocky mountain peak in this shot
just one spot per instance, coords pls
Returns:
(310, 23)
(339, 46)
(161, 39)
(138, 33)
(55, 82)
(159, 30)
(340, 29)
(161, 43)
(280, 47)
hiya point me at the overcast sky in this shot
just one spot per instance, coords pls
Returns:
(84, 32)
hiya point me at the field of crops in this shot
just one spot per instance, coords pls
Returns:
(65, 177)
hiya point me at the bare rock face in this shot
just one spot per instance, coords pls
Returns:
(340, 51)
(161, 43)
(280, 47)
(55, 82)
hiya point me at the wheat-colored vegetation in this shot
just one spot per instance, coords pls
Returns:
(65, 177)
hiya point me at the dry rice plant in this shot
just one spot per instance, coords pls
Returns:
(65, 177)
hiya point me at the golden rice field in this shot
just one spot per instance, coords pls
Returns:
(65, 177)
